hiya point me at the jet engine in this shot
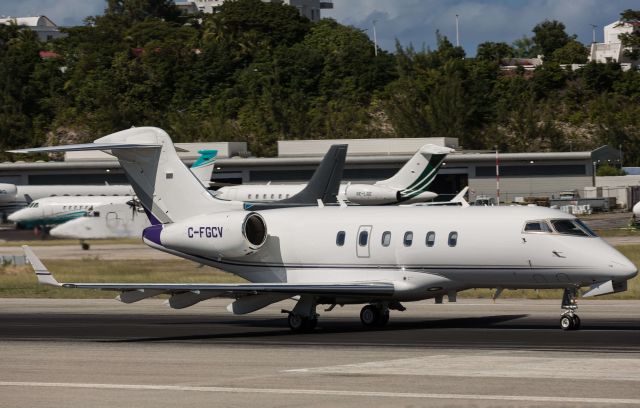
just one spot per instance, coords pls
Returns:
(370, 194)
(228, 235)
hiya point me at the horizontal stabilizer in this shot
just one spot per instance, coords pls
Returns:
(84, 146)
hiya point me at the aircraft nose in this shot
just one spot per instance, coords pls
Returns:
(15, 217)
(624, 268)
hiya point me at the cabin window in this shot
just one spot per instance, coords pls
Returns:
(408, 238)
(363, 238)
(249, 197)
(279, 196)
(431, 238)
(386, 238)
(96, 213)
(273, 196)
(264, 196)
(340, 238)
(568, 227)
(287, 195)
(453, 238)
(537, 226)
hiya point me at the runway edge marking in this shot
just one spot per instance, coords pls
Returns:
(319, 392)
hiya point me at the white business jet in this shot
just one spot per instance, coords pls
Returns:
(408, 185)
(335, 255)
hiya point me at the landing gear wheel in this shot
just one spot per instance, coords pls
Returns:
(85, 246)
(374, 316)
(566, 323)
(299, 323)
(576, 322)
(369, 315)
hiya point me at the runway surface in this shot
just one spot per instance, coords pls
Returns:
(78, 353)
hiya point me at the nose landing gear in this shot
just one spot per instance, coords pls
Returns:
(569, 320)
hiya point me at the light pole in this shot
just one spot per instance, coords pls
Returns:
(457, 32)
(375, 39)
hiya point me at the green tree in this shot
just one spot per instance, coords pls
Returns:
(492, 51)
(550, 36)
(573, 52)
(632, 39)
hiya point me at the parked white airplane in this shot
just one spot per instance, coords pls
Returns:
(14, 197)
(117, 220)
(379, 256)
(57, 210)
(408, 185)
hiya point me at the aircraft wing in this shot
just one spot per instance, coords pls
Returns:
(190, 293)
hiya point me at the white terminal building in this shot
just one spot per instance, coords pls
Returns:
(612, 50)
(46, 29)
(307, 8)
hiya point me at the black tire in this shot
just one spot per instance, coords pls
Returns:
(301, 324)
(576, 322)
(369, 315)
(85, 246)
(383, 320)
(566, 323)
(296, 322)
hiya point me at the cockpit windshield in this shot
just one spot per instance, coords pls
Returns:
(572, 227)
(563, 226)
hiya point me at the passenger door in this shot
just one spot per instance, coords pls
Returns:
(363, 241)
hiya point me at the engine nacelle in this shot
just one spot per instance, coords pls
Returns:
(228, 235)
(370, 194)
(8, 192)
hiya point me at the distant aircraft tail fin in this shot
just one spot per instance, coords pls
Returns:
(418, 173)
(324, 185)
(163, 184)
(203, 167)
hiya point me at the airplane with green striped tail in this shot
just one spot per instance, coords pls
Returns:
(409, 185)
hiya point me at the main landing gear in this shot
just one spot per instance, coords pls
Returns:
(303, 317)
(375, 315)
(569, 320)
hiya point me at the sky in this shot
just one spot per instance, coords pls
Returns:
(409, 21)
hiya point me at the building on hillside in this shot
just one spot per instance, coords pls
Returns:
(46, 29)
(509, 65)
(612, 50)
(308, 8)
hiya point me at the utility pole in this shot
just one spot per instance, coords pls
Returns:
(593, 29)
(375, 39)
(457, 32)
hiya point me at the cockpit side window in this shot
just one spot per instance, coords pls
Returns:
(568, 227)
(585, 228)
(537, 226)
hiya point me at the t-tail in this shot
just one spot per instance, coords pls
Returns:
(203, 167)
(166, 188)
(418, 173)
(324, 185)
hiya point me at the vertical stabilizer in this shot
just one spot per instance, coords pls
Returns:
(166, 188)
(203, 167)
(163, 184)
(418, 173)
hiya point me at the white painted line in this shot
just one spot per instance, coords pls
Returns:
(341, 393)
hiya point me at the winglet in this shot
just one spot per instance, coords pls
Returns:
(42, 273)
(459, 198)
